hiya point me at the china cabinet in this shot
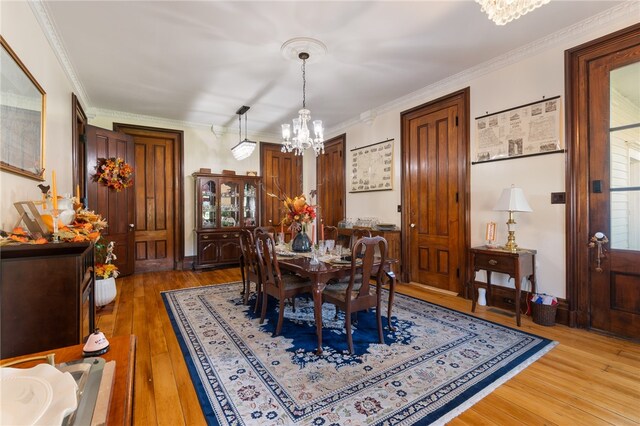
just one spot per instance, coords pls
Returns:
(224, 205)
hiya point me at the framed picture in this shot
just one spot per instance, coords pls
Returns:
(372, 167)
(532, 129)
(22, 116)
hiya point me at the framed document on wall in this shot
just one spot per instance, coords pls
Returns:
(371, 167)
(531, 129)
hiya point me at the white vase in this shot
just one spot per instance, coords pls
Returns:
(482, 296)
(105, 291)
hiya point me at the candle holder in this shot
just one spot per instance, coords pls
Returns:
(55, 214)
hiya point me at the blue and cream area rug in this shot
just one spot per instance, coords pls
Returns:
(435, 365)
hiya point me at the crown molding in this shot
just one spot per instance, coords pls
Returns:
(620, 12)
(218, 131)
(39, 9)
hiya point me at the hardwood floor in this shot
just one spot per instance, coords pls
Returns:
(587, 379)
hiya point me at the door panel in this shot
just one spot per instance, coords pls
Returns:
(435, 161)
(116, 207)
(614, 165)
(330, 178)
(282, 175)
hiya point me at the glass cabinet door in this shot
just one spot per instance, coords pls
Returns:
(250, 205)
(229, 204)
(209, 205)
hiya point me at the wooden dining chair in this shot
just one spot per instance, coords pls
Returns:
(330, 233)
(274, 283)
(249, 267)
(358, 294)
(264, 230)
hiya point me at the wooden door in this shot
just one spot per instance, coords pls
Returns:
(614, 172)
(603, 187)
(118, 208)
(330, 178)
(281, 175)
(158, 197)
(434, 153)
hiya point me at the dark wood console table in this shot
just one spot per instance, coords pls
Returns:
(517, 265)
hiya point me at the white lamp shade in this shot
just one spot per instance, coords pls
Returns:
(512, 199)
(243, 150)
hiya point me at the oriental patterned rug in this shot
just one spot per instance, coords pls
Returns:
(435, 365)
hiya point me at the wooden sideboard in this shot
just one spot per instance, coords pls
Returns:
(393, 244)
(46, 296)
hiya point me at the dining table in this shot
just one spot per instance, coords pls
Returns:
(324, 269)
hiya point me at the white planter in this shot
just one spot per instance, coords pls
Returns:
(482, 296)
(105, 291)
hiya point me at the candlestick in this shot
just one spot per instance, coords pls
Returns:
(55, 213)
(313, 234)
(78, 193)
(322, 230)
(54, 190)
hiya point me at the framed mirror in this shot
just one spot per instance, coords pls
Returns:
(22, 116)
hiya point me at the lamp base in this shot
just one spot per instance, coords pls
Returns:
(511, 242)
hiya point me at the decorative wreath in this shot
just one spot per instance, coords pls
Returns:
(114, 173)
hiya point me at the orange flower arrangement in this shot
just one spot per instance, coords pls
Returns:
(114, 173)
(297, 212)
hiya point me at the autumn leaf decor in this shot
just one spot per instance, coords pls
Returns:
(113, 173)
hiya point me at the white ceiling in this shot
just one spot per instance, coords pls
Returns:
(199, 61)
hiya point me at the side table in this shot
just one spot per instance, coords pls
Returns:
(123, 351)
(516, 265)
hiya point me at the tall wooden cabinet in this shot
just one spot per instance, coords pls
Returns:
(46, 296)
(224, 205)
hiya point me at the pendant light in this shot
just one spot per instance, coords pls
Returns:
(245, 147)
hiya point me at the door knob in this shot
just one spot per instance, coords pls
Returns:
(413, 225)
(132, 226)
(598, 241)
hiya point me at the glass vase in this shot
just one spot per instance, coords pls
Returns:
(301, 242)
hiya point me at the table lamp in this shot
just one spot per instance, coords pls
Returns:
(512, 200)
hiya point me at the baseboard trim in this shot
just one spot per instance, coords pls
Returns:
(431, 289)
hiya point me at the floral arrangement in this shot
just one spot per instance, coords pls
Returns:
(104, 256)
(113, 173)
(297, 212)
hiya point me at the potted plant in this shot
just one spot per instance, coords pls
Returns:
(106, 272)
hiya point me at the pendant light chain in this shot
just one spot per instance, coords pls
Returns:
(304, 84)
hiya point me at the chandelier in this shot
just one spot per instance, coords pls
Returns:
(301, 138)
(245, 147)
(503, 11)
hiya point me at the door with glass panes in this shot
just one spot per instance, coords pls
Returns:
(614, 200)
